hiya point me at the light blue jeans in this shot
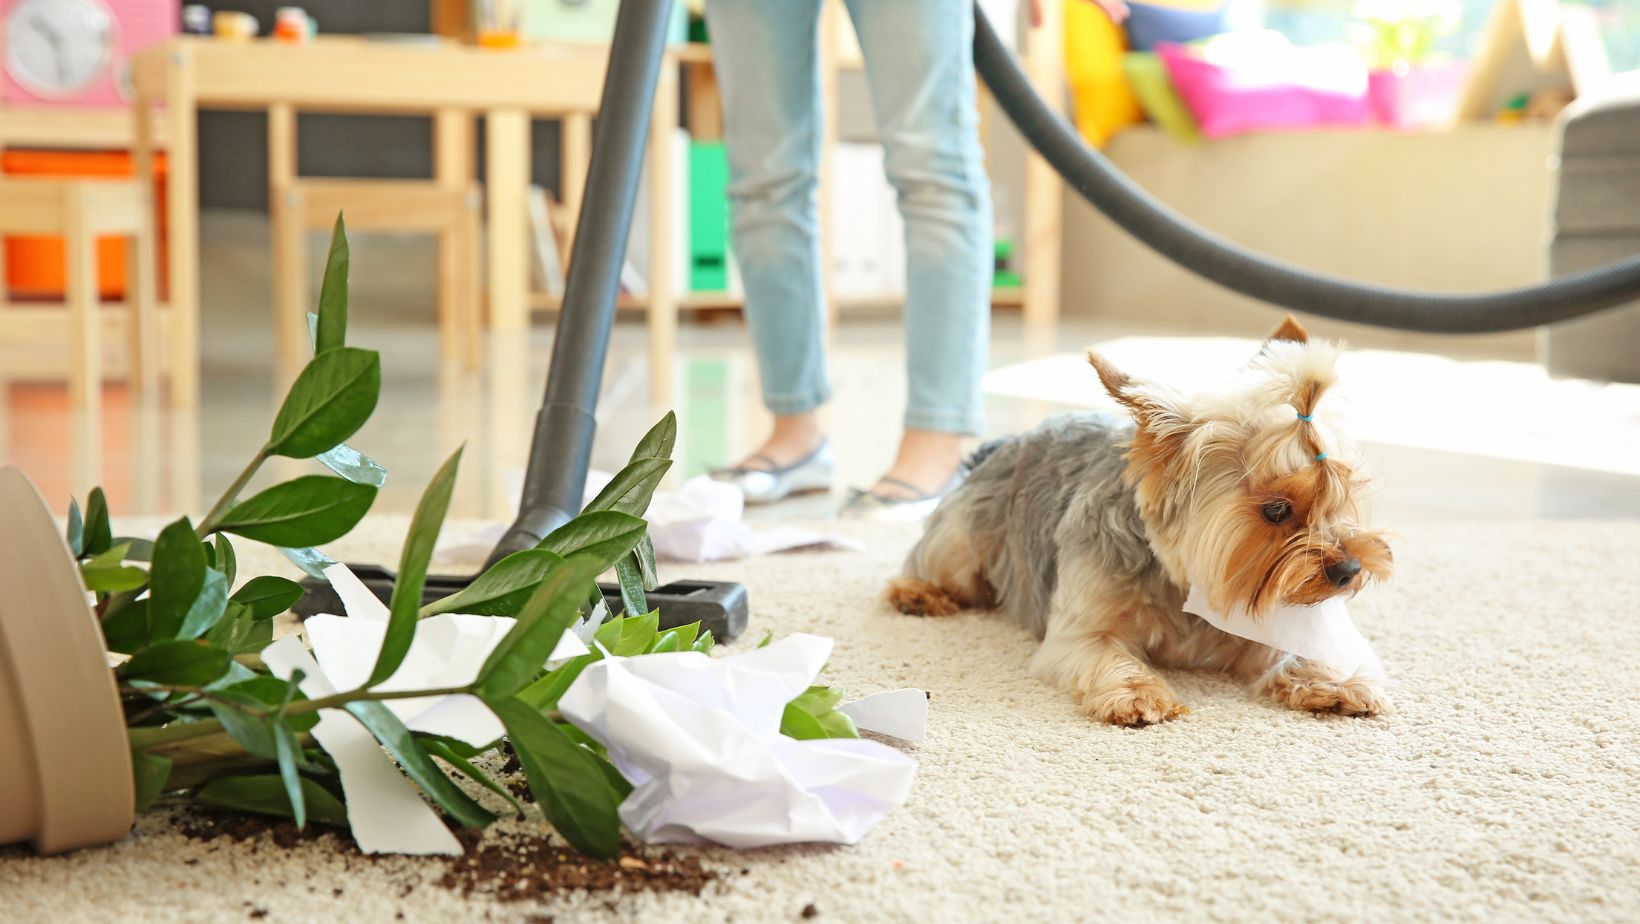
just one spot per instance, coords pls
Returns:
(920, 68)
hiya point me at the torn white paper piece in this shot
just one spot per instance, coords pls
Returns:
(901, 714)
(447, 651)
(699, 738)
(384, 810)
(701, 521)
(1322, 633)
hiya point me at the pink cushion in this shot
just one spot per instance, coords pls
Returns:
(1297, 88)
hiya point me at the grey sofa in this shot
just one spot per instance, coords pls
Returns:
(1596, 220)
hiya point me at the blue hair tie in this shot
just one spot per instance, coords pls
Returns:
(1321, 457)
(1306, 417)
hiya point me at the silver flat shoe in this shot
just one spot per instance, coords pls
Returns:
(808, 475)
(865, 505)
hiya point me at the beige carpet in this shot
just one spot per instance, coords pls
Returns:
(1507, 787)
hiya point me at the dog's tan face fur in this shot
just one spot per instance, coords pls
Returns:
(1243, 496)
(1089, 535)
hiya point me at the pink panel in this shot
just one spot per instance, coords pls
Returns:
(137, 24)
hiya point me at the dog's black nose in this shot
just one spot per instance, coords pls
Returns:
(1341, 573)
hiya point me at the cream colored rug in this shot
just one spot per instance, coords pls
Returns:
(1507, 787)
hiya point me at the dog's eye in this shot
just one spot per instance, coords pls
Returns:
(1277, 511)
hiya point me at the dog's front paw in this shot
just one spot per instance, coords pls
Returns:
(1355, 696)
(1145, 702)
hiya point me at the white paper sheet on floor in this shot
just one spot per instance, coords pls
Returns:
(699, 738)
(700, 521)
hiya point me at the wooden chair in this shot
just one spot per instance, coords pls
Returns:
(81, 210)
(397, 205)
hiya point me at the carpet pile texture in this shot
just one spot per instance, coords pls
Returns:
(1505, 787)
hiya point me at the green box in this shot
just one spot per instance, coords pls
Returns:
(708, 216)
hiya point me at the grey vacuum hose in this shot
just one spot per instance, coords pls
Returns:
(1240, 270)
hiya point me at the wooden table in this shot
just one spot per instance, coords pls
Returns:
(452, 83)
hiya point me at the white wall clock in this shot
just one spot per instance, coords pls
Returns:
(58, 49)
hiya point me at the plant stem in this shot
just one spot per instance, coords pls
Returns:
(362, 695)
(208, 525)
(148, 739)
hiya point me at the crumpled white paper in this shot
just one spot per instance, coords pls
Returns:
(384, 810)
(1322, 633)
(699, 739)
(901, 714)
(700, 521)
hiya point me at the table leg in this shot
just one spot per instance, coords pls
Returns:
(85, 341)
(182, 218)
(507, 136)
(289, 247)
(663, 296)
(142, 263)
(457, 304)
(572, 171)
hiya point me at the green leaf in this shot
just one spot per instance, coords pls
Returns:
(226, 561)
(353, 465)
(687, 634)
(268, 596)
(503, 589)
(405, 605)
(330, 400)
(704, 643)
(637, 634)
(605, 535)
(630, 576)
(645, 553)
(813, 715)
(177, 663)
(140, 549)
(97, 535)
(252, 725)
(265, 794)
(543, 694)
(76, 529)
(127, 631)
(289, 752)
(387, 728)
(306, 511)
(331, 331)
(149, 774)
(658, 442)
(312, 561)
(629, 491)
(569, 785)
(106, 573)
(440, 748)
(176, 577)
(767, 638)
(541, 623)
(665, 642)
(207, 608)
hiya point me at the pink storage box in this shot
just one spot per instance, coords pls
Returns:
(1282, 90)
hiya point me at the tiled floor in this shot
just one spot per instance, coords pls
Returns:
(1450, 438)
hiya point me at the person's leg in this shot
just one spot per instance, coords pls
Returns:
(766, 56)
(920, 66)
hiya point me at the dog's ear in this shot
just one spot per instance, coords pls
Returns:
(1144, 402)
(1291, 330)
(1116, 382)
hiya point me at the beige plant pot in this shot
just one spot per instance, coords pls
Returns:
(65, 765)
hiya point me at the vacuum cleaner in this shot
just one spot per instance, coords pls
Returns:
(556, 474)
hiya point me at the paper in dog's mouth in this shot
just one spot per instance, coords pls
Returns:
(1323, 633)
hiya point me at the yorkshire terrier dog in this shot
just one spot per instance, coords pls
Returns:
(1090, 531)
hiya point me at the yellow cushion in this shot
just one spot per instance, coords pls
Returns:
(1103, 103)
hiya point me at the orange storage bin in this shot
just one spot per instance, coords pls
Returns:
(35, 266)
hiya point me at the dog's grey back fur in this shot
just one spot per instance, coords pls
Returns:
(1054, 491)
